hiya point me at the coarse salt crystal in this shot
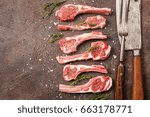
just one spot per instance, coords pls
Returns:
(55, 23)
(114, 56)
(46, 85)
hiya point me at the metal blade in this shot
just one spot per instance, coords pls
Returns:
(134, 38)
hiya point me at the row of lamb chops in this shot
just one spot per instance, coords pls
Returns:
(101, 49)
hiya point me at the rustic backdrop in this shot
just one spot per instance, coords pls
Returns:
(28, 68)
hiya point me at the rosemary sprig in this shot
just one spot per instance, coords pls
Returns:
(80, 78)
(46, 6)
(92, 49)
(82, 24)
(87, 23)
(100, 96)
(55, 37)
(92, 25)
(50, 6)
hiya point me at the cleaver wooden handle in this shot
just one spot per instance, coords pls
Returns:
(119, 82)
(137, 91)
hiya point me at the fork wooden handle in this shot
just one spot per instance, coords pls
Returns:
(119, 82)
(137, 90)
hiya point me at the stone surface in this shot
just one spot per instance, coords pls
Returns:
(28, 68)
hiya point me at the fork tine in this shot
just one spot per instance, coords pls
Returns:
(124, 17)
(121, 5)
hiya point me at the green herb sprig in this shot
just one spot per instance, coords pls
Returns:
(85, 23)
(55, 37)
(99, 96)
(92, 49)
(50, 6)
(92, 25)
(80, 78)
(82, 24)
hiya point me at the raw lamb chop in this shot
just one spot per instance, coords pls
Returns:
(98, 51)
(70, 11)
(95, 85)
(93, 22)
(69, 44)
(70, 72)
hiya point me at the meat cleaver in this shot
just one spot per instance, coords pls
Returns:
(133, 42)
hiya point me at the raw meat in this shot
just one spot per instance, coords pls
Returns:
(93, 22)
(95, 85)
(70, 72)
(70, 11)
(69, 44)
(99, 51)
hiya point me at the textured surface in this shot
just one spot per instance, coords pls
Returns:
(28, 68)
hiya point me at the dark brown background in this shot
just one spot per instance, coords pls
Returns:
(28, 68)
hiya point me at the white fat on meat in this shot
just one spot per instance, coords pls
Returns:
(101, 52)
(70, 11)
(92, 22)
(69, 44)
(70, 72)
(94, 85)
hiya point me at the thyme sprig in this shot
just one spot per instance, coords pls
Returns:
(80, 78)
(92, 49)
(92, 25)
(99, 96)
(49, 7)
(55, 37)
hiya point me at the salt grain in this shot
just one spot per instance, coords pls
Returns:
(55, 23)
(40, 59)
(59, 94)
(30, 59)
(52, 70)
(114, 56)
(46, 85)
